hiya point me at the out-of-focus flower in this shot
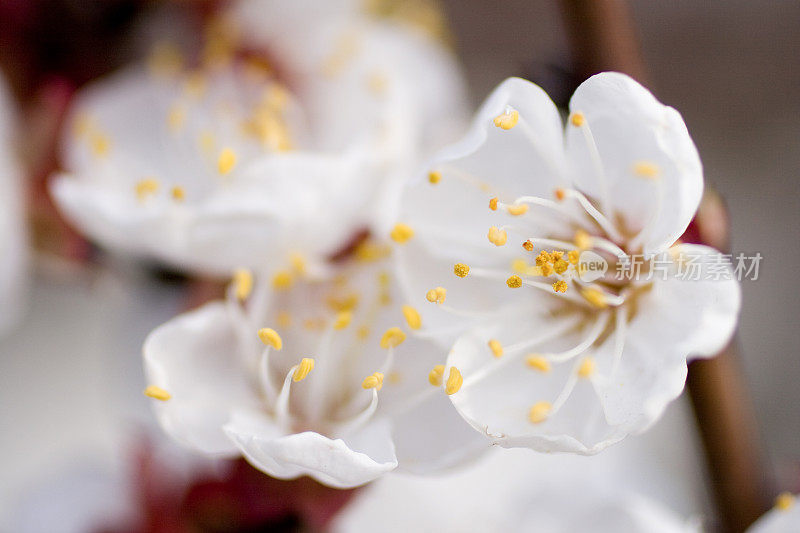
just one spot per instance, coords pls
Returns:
(13, 241)
(318, 378)
(783, 518)
(256, 149)
(582, 311)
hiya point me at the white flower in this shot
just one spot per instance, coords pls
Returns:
(13, 242)
(783, 518)
(294, 143)
(309, 378)
(559, 357)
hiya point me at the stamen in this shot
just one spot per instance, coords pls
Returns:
(573, 257)
(412, 317)
(175, 118)
(282, 280)
(538, 362)
(593, 212)
(507, 119)
(595, 296)
(437, 295)
(577, 119)
(401, 233)
(560, 286)
(342, 320)
(583, 240)
(100, 144)
(517, 209)
(514, 282)
(374, 381)
(157, 393)
(496, 347)
(539, 412)
(586, 368)
(528, 245)
(497, 236)
(785, 501)
(147, 187)
(434, 177)
(454, 381)
(226, 161)
(583, 345)
(271, 338)
(435, 376)
(298, 262)
(242, 283)
(302, 370)
(392, 338)
(493, 204)
(646, 169)
(178, 193)
(461, 270)
(284, 319)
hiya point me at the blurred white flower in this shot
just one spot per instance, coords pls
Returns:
(13, 241)
(291, 143)
(783, 518)
(318, 378)
(560, 357)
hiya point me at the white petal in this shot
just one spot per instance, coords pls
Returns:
(339, 463)
(193, 357)
(676, 321)
(628, 126)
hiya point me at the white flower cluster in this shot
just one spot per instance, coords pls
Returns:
(395, 303)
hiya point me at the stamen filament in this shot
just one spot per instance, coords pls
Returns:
(597, 328)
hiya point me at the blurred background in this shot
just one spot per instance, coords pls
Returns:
(70, 375)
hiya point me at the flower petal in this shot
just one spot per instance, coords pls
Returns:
(676, 321)
(630, 127)
(192, 357)
(340, 463)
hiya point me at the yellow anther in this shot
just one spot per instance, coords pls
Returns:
(302, 370)
(157, 393)
(436, 295)
(560, 194)
(373, 381)
(242, 283)
(461, 270)
(507, 119)
(401, 233)
(226, 161)
(560, 286)
(412, 317)
(369, 252)
(175, 118)
(394, 377)
(537, 362)
(207, 142)
(385, 298)
(496, 347)
(573, 256)
(577, 119)
(435, 376)
(384, 279)
(586, 368)
(583, 240)
(342, 320)
(556, 255)
(347, 302)
(560, 266)
(146, 187)
(100, 144)
(497, 236)
(546, 269)
(392, 337)
(454, 381)
(493, 204)
(434, 177)
(514, 282)
(596, 297)
(270, 337)
(362, 332)
(517, 209)
(178, 193)
(284, 319)
(539, 412)
(520, 266)
(785, 501)
(543, 258)
(646, 169)
(282, 280)
(528, 246)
